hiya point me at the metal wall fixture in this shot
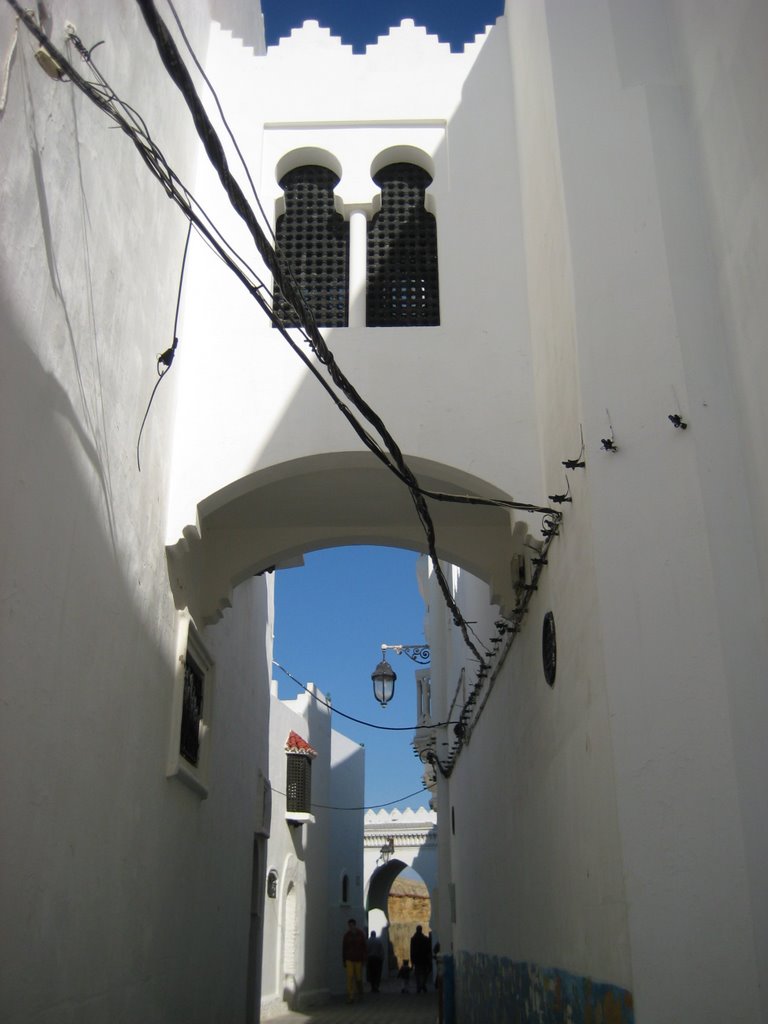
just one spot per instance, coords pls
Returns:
(677, 421)
(384, 676)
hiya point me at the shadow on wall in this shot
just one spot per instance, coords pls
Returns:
(90, 425)
(85, 720)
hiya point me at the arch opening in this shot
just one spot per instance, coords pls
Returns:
(272, 518)
(398, 900)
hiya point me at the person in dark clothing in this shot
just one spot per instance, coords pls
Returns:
(375, 961)
(404, 974)
(421, 958)
(354, 950)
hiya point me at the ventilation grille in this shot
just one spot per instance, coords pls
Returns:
(402, 252)
(313, 240)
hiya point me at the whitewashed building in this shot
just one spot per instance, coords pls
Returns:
(584, 189)
(127, 869)
(314, 855)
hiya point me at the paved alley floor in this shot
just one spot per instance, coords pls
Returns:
(389, 1006)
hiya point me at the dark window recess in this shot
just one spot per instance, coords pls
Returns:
(345, 889)
(299, 788)
(402, 253)
(272, 884)
(191, 711)
(313, 241)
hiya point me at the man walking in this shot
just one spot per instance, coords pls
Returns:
(421, 958)
(353, 953)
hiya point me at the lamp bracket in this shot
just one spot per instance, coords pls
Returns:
(420, 653)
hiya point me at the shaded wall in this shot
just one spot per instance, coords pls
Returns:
(124, 894)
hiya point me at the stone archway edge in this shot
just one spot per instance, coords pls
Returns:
(272, 518)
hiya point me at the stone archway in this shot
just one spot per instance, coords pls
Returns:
(393, 841)
(272, 517)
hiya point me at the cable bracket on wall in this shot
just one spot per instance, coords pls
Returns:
(578, 462)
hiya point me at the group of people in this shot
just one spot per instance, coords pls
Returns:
(356, 951)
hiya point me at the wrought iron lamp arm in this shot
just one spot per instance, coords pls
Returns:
(420, 653)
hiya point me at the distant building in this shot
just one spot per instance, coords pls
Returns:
(314, 853)
(394, 841)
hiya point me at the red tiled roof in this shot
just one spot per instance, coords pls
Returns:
(296, 745)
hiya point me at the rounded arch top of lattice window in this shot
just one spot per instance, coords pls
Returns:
(307, 156)
(404, 155)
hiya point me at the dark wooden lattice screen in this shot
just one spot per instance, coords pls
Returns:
(299, 783)
(314, 239)
(402, 252)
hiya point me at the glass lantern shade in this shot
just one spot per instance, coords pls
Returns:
(383, 677)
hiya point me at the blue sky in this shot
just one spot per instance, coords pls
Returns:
(359, 23)
(333, 615)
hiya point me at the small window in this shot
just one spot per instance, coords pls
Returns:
(192, 710)
(345, 890)
(272, 884)
(192, 703)
(299, 787)
(313, 240)
(402, 252)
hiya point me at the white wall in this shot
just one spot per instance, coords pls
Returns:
(725, 80)
(345, 855)
(631, 789)
(300, 855)
(600, 258)
(406, 90)
(124, 895)
(684, 663)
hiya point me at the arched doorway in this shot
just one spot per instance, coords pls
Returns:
(290, 945)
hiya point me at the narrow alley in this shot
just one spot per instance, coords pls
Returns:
(390, 1006)
(478, 286)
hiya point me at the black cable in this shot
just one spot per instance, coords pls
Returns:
(171, 58)
(364, 807)
(287, 268)
(166, 358)
(392, 458)
(220, 109)
(360, 721)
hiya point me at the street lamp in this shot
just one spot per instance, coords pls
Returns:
(384, 676)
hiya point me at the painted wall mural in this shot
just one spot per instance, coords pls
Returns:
(507, 992)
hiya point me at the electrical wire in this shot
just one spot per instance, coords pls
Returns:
(285, 263)
(174, 64)
(165, 359)
(351, 718)
(222, 115)
(134, 126)
(364, 807)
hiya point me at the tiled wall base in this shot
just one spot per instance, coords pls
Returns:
(491, 988)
